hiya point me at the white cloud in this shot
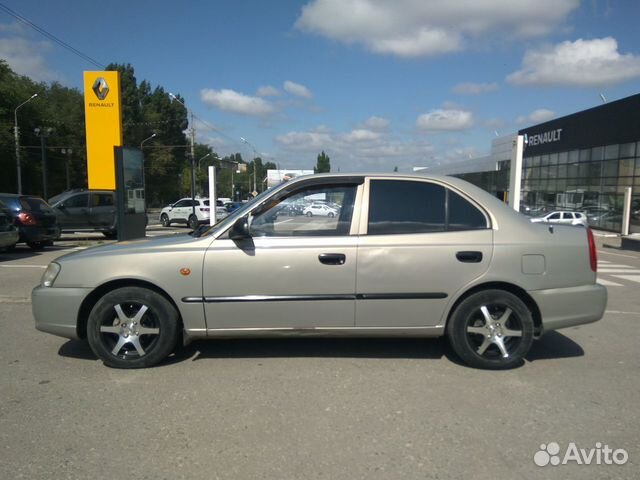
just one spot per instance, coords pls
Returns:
(296, 89)
(267, 91)
(376, 123)
(537, 116)
(413, 28)
(445, 119)
(305, 141)
(360, 135)
(470, 88)
(26, 57)
(232, 101)
(583, 63)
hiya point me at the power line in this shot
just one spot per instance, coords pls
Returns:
(50, 36)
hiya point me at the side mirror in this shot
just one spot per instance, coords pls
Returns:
(240, 229)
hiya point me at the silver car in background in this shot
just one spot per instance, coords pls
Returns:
(421, 256)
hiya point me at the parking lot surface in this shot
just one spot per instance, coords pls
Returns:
(315, 408)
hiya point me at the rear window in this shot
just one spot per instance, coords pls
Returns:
(11, 202)
(34, 204)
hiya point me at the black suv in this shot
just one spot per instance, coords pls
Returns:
(86, 210)
(36, 221)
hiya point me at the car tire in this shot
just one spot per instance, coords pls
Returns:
(193, 222)
(165, 220)
(309, 214)
(331, 215)
(116, 322)
(36, 245)
(111, 234)
(491, 329)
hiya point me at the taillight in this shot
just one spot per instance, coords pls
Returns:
(204, 209)
(26, 219)
(593, 253)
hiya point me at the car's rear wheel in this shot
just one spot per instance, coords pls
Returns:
(164, 219)
(193, 222)
(132, 327)
(491, 329)
(309, 214)
(37, 245)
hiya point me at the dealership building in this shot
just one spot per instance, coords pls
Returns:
(588, 161)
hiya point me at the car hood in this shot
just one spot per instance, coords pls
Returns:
(171, 242)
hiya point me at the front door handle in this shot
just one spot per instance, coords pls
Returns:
(332, 258)
(469, 257)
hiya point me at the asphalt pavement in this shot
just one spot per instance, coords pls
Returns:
(317, 408)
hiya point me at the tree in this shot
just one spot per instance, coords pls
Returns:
(323, 164)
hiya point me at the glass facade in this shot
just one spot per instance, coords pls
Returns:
(591, 180)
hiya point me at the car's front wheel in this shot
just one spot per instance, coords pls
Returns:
(132, 327)
(309, 214)
(164, 219)
(491, 329)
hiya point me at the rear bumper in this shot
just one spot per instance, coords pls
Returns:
(56, 309)
(567, 307)
(39, 234)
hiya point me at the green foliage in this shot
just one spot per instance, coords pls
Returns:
(145, 110)
(323, 163)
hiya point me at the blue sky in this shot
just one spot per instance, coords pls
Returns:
(374, 83)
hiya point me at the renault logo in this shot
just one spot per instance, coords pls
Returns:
(100, 88)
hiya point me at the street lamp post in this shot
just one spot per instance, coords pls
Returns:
(16, 131)
(146, 140)
(244, 140)
(207, 155)
(193, 152)
(68, 152)
(43, 133)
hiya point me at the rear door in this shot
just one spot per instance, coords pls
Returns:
(421, 243)
(102, 213)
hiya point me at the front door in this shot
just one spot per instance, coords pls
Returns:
(423, 243)
(293, 273)
(74, 212)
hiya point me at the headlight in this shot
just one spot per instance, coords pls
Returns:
(50, 274)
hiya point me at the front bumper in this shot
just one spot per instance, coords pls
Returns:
(9, 238)
(567, 307)
(56, 309)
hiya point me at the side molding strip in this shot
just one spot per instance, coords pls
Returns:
(298, 298)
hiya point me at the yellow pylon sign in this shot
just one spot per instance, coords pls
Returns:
(103, 120)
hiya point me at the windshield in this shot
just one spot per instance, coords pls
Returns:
(226, 221)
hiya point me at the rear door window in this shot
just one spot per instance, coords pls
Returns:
(102, 200)
(404, 207)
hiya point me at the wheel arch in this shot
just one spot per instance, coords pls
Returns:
(90, 300)
(508, 287)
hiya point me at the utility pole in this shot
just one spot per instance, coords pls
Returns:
(68, 152)
(193, 166)
(43, 133)
(16, 131)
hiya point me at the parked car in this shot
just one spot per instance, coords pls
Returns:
(36, 221)
(183, 212)
(409, 255)
(232, 206)
(563, 217)
(86, 211)
(320, 209)
(9, 235)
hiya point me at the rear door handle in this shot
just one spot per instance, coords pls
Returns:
(469, 257)
(332, 258)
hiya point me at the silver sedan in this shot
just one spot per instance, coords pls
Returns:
(405, 256)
